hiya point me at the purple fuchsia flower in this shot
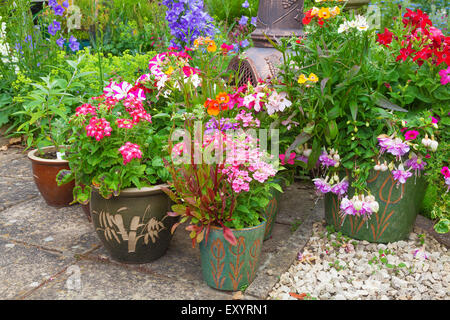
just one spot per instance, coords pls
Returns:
(54, 27)
(60, 42)
(340, 188)
(74, 45)
(445, 76)
(416, 164)
(397, 147)
(326, 161)
(401, 175)
(322, 185)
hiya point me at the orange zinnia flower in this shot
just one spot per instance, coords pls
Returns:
(212, 107)
(223, 97)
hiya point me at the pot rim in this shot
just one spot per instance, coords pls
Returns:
(243, 229)
(33, 157)
(145, 191)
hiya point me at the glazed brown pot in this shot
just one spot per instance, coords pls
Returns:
(44, 173)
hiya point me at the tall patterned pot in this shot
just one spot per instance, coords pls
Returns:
(271, 211)
(399, 206)
(134, 227)
(44, 174)
(227, 267)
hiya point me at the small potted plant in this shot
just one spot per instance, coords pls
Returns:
(46, 109)
(116, 155)
(223, 201)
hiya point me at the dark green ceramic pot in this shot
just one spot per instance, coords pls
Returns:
(397, 214)
(134, 227)
(271, 211)
(227, 267)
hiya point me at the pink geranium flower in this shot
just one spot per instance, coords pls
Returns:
(86, 109)
(129, 152)
(98, 128)
(289, 161)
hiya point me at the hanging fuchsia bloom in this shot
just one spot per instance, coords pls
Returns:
(85, 109)
(98, 128)
(400, 175)
(411, 135)
(395, 146)
(289, 161)
(125, 123)
(445, 76)
(129, 152)
(322, 185)
(415, 163)
(326, 161)
(359, 206)
(340, 188)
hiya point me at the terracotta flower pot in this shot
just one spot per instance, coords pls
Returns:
(44, 173)
(134, 227)
(398, 209)
(227, 267)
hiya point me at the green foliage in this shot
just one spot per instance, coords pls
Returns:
(229, 10)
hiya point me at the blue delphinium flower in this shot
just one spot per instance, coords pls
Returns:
(52, 3)
(59, 10)
(245, 4)
(74, 45)
(187, 21)
(65, 4)
(254, 21)
(244, 43)
(60, 42)
(243, 21)
(54, 27)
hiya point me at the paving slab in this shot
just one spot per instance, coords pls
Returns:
(15, 165)
(296, 203)
(65, 230)
(15, 191)
(97, 281)
(24, 268)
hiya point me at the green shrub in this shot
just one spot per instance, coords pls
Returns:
(229, 10)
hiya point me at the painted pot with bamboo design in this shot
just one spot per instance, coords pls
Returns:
(271, 211)
(227, 267)
(134, 227)
(398, 209)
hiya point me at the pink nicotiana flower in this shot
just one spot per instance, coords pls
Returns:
(411, 135)
(445, 76)
(129, 152)
(120, 90)
(446, 172)
(289, 161)
(98, 128)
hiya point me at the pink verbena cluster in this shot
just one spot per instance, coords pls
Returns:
(98, 128)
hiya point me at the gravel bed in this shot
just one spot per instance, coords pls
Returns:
(335, 267)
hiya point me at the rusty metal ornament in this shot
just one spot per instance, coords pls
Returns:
(276, 19)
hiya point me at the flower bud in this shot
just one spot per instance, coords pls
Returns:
(357, 205)
(374, 206)
(434, 145)
(377, 167)
(307, 152)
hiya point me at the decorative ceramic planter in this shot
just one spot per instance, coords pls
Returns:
(134, 227)
(44, 173)
(271, 212)
(397, 214)
(227, 267)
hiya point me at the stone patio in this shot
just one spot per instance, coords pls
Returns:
(48, 253)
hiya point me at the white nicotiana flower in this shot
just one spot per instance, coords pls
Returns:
(343, 27)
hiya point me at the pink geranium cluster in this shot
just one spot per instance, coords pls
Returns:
(446, 173)
(359, 205)
(98, 128)
(130, 151)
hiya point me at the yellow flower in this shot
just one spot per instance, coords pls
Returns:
(302, 79)
(211, 46)
(324, 13)
(313, 78)
(314, 11)
(169, 71)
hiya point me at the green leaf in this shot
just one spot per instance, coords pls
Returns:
(381, 101)
(354, 109)
(157, 162)
(443, 226)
